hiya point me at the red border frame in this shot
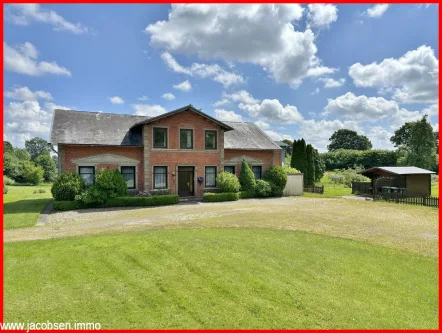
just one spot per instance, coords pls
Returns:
(211, 1)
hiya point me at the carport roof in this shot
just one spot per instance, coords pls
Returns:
(405, 170)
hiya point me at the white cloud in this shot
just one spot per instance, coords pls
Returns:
(225, 115)
(273, 111)
(25, 94)
(380, 138)
(215, 72)
(263, 35)
(411, 78)
(321, 16)
(148, 110)
(377, 10)
(361, 107)
(241, 96)
(25, 14)
(315, 92)
(221, 102)
(332, 83)
(116, 100)
(183, 86)
(404, 115)
(28, 119)
(23, 59)
(317, 133)
(277, 136)
(143, 98)
(168, 96)
(262, 124)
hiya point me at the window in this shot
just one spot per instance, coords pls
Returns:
(257, 171)
(128, 173)
(159, 178)
(88, 174)
(210, 176)
(159, 137)
(229, 168)
(210, 139)
(186, 139)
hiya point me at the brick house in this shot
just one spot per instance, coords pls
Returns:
(181, 151)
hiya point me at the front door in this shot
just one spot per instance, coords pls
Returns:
(185, 181)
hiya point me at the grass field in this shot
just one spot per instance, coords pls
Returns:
(22, 206)
(435, 189)
(331, 189)
(219, 278)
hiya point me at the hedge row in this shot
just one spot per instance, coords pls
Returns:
(156, 200)
(217, 197)
(345, 158)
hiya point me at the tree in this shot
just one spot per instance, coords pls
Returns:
(422, 145)
(246, 177)
(298, 155)
(402, 135)
(288, 150)
(37, 146)
(302, 156)
(319, 165)
(48, 165)
(348, 139)
(295, 153)
(7, 147)
(309, 174)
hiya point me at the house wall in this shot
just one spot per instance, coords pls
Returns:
(419, 184)
(266, 158)
(173, 156)
(71, 153)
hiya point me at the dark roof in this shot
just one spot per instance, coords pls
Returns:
(98, 128)
(186, 108)
(247, 136)
(95, 128)
(281, 144)
(403, 170)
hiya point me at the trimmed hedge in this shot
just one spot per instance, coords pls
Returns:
(156, 200)
(344, 159)
(218, 197)
(246, 194)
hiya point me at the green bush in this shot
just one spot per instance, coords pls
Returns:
(262, 188)
(159, 200)
(92, 195)
(156, 200)
(5, 189)
(217, 197)
(246, 177)
(275, 190)
(246, 194)
(276, 175)
(344, 158)
(31, 174)
(8, 181)
(348, 176)
(67, 205)
(67, 186)
(227, 182)
(289, 170)
(111, 182)
(48, 165)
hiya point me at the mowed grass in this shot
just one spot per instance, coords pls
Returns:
(219, 278)
(435, 189)
(331, 189)
(22, 206)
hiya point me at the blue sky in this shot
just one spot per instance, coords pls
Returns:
(295, 70)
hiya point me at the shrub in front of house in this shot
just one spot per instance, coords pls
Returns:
(218, 197)
(246, 194)
(290, 171)
(67, 186)
(227, 182)
(127, 201)
(276, 175)
(276, 191)
(262, 189)
(246, 177)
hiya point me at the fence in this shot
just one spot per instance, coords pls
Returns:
(361, 188)
(409, 199)
(314, 189)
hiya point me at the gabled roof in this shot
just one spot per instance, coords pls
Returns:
(95, 128)
(281, 144)
(186, 108)
(402, 170)
(247, 136)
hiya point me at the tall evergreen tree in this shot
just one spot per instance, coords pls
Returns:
(319, 165)
(302, 156)
(309, 174)
(295, 152)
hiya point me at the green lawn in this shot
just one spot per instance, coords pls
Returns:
(219, 278)
(22, 206)
(435, 189)
(331, 189)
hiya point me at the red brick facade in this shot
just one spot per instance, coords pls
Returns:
(173, 157)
